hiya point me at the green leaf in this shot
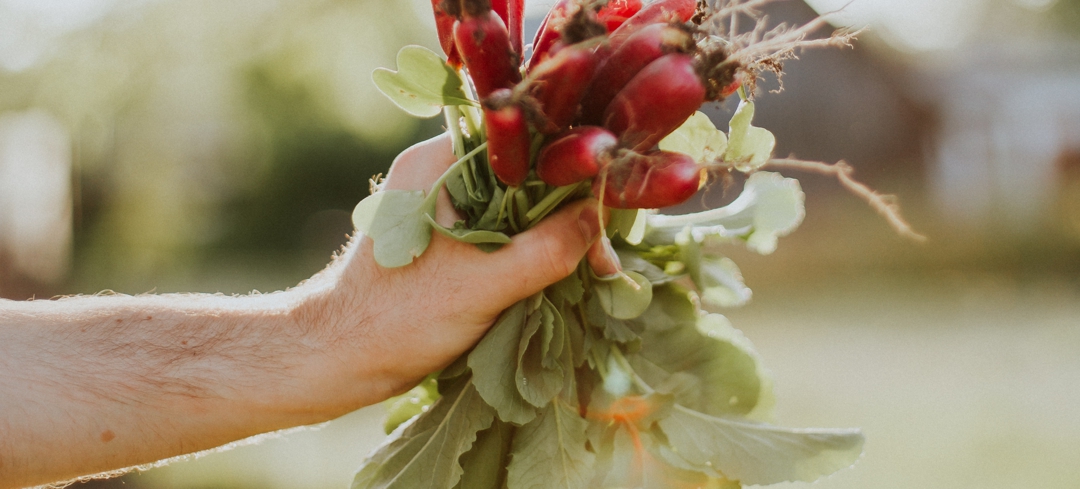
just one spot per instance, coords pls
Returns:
(539, 376)
(404, 407)
(749, 147)
(770, 206)
(718, 327)
(397, 223)
(718, 280)
(569, 290)
(621, 221)
(613, 329)
(485, 463)
(754, 453)
(575, 334)
(722, 283)
(698, 138)
(472, 236)
(426, 452)
(494, 365)
(550, 452)
(423, 84)
(712, 374)
(622, 298)
(632, 261)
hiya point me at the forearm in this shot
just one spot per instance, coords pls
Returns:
(119, 381)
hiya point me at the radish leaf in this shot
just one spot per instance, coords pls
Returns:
(425, 454)
(755, 453)
(622, 298)
(539, 376)
(423, 84)
(493, 364)
(711, 374)
(749, 147)
(550, 451)
(770, 206)
(698, 138)
(396, 221)
(465, 235)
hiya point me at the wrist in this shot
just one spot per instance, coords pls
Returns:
(347, 366)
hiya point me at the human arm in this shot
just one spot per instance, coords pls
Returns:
(116, 381)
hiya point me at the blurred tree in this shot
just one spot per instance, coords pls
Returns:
(206, 127)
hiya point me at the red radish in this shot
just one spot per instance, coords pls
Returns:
(550, 31)
(656, 101)
(559, 83)
(508, 138)
(512, 14)
(484, 46)
(576, 155)
(649, 181)
(616, 12)
(444, 25)
(640, 49)
(660, 11)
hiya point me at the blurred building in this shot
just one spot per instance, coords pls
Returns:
(1005, 149)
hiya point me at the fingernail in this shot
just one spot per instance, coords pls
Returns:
(603, 259)
(589, 223)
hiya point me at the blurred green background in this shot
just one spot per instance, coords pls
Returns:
(205, 146)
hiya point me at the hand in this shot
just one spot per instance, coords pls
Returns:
(388, 328)
(117, 381)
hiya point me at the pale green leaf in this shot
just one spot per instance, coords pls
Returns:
(395, 220)
(622, 298)
(540, 376)
(699, 138)
(423, 84)
(632, 261)
(718, 327)
(425, 453)
(621, 221)
(471, 236)
(709, 373)
(769, 206)
(749, 147)
(637, 231)
(720, 283)
(618, 380)
(569, 290)
(494, 365)
(575, 335)
(550, 452)
(755, 453)
(485, 463)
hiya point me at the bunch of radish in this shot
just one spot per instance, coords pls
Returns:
(615, 376)
(604, 84)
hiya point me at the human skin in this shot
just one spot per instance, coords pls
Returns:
(97, 383)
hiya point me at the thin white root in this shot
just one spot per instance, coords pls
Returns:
(885, 205)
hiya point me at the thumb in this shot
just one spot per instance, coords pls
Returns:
(542, 255)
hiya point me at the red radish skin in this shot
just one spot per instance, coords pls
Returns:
(512, 14)
(640, 49)
(508, 138)
(577, 155)
(444, 25)
(649, 181)
(616, 12)
(559, 83)
(655, 102)
(549, 31)
(661, 11)
(484, 46)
